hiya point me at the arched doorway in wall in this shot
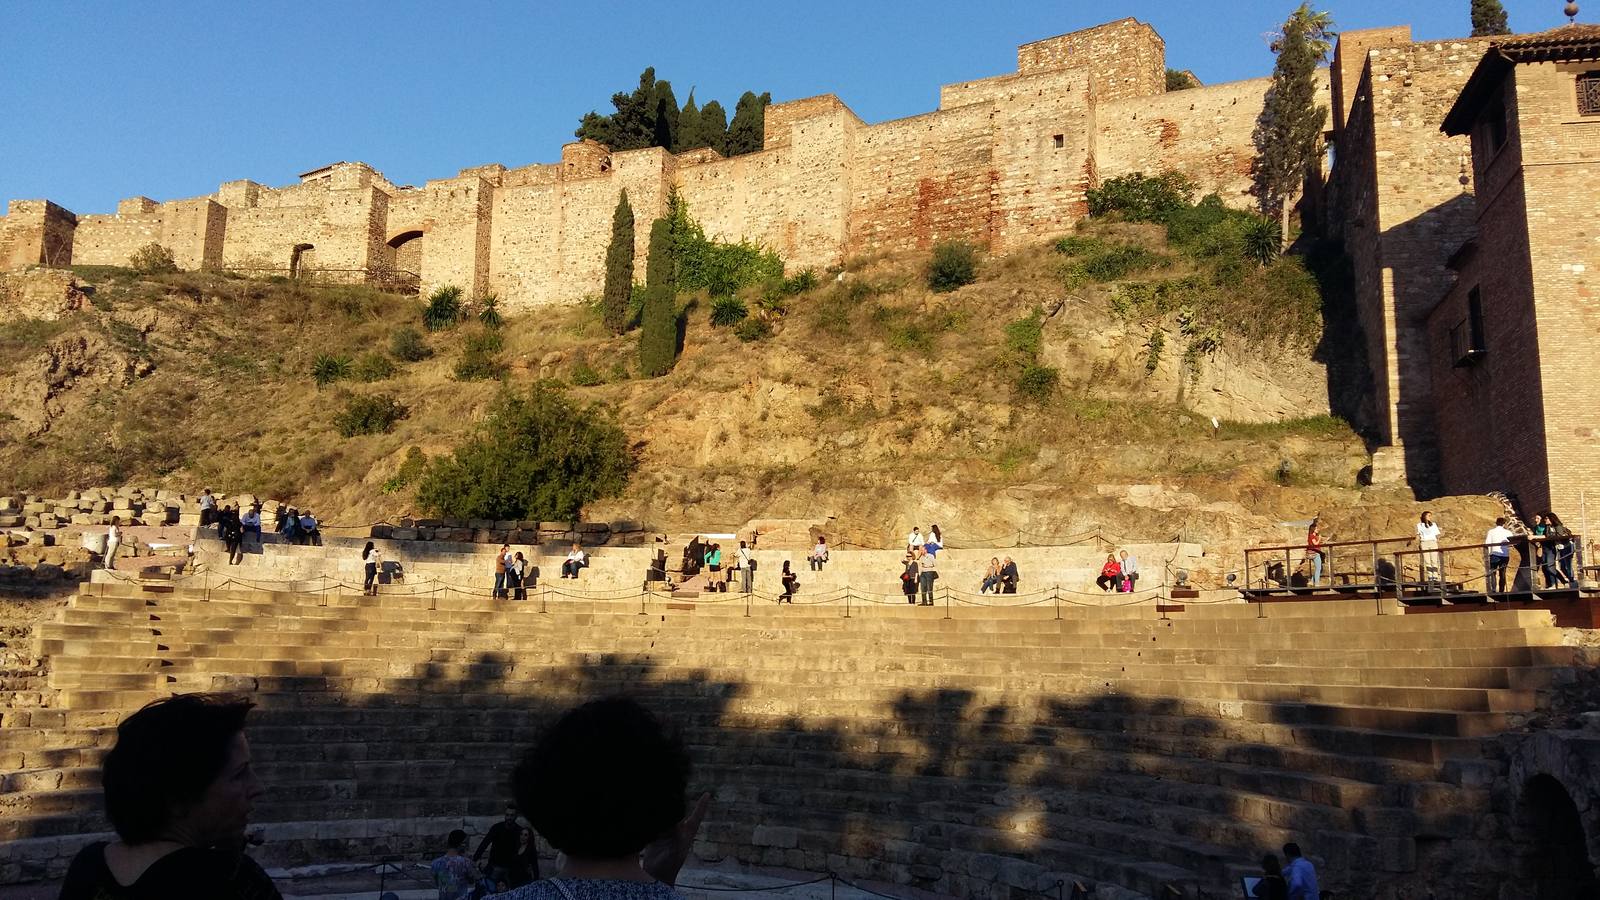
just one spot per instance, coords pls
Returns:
(1552, 850)
(405, 251)
(300, 259)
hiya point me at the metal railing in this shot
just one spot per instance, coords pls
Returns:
(1535, 567)
(1348, 567)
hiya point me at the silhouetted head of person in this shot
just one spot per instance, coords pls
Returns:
(457, 841)
(1500, 521)
(1291, 850)
(1270, 865)
(181, 771)
(604, 781)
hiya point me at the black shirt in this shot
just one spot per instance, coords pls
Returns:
(502, 842)
(191, 873)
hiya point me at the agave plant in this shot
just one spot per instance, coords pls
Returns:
(727, 311)
(443, 310)
(489, 311)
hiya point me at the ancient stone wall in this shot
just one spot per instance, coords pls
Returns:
(1350, 60)
(1125, 58)
(1206, 133)
(341, 212)
(1399, 176)
(35, 233)
(924, 179)
(193, 230)
(1560, 160)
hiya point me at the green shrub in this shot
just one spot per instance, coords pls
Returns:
(1073, 245)
(152, 259)
(1037, 382)
(374, 414)
(800, 282)
(1153, 348)
(1141, 198)
(753, 330)
(408, 345)
(373, 366)
(444, 309)
(536, 456)
(483, 341)
(328, 368)
(716, 267)
(478, 365)
(954, 264)
(1263, 240)
(727, 311)
(1025, 337)
(489, 311)
(410, 472)
(1113, 263)
(584, 375)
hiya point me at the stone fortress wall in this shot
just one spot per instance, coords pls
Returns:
(1003, 161)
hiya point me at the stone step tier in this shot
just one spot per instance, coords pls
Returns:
(964, 752)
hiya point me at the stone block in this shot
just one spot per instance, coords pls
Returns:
(122, 503)
(403, 534)
(10, 520)
(9, 505)
(555, 526)
(382, 532)
(480, 524)
(49, 521)
(593, 528)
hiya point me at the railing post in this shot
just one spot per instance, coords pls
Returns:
(847, 602)
(947, 602)
(1056, 593)
(544, 598)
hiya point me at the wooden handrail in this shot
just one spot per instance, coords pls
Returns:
(1514, 540)
(1302, 546)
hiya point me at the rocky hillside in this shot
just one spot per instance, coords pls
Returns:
(872, 401)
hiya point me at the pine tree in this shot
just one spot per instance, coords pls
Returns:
(619, 267)
(1488, 18)
(745, 132)
(664, 126)
(714, 127)
(658, 338)
(633, 125)
(689, 132)
(1288, 134)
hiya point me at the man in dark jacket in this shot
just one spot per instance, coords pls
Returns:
(502, 842)
(1008, 577)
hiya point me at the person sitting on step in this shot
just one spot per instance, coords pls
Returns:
(1110, 574)
(991, 577)
(1009, 577)
(606, 786)
(289, 526)
(819, 553)
(576, 559)
(179, 789)
(310, 531)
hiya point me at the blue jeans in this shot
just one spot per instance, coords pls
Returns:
(499, 583)
(1316, 568)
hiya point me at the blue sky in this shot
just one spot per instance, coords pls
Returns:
(109, 100)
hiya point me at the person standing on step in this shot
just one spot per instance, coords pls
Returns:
(746, 565)
(693, 557)
(1543, 553)
(1565, 548)
(910, 579)
(1314, 552)
(502, 558)
(232, 534)
(453, 874)
(517, 577)
(503, 843)
(1130, 571)
(1428, 543)
(208, 507)
(369, 567)
(1300, 874)
(1498, 540)
(113, 541)
(927, 574)
(714, 558)
(790, 584)
(819, 553)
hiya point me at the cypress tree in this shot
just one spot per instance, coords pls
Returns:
(714, 127)
(664, 124)
(633, 125)
(1489, 18)
(745, 132)
(619, 267)
(1289, 132)
(658, 338)
(690, 136)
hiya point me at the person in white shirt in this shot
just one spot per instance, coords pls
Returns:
(1428, 542)
(113, 541)
(1130, 570)
(819, 553)
(745, 562)
(1499, 541)
(914, 540)
(208, 507)
(370, 560)
(927, 573)
(251, 520)
(575, 561)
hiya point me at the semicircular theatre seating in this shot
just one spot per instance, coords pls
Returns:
(962, 755)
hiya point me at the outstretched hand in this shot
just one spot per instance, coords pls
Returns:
(664, 858)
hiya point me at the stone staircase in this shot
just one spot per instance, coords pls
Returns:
(996, 748)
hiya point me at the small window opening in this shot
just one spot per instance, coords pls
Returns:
(1060, 141)
(1589, 94)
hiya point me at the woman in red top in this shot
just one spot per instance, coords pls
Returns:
(1314, 552)
(1110, 574)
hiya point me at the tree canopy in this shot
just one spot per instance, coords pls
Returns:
(649, 116)
(1489, 18)
(1288, 134)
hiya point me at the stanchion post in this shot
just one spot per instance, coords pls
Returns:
(847, 602)
(644, 597)
(1056, 593)
(833, 886)
(544, 598)
(747, 605)
(947, 601)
